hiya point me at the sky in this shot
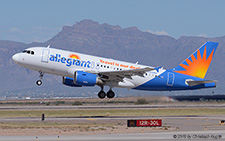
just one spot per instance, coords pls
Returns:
(29, 21)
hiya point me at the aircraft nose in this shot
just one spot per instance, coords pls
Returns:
(15, 58)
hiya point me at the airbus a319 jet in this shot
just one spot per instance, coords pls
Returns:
(79, 70)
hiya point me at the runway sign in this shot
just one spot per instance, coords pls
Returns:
(144, 123)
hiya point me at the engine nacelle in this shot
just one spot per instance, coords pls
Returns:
(70, 82)
(86, 79)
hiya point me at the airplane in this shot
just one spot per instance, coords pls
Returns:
(79, 70)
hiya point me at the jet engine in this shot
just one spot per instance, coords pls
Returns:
(86, 79)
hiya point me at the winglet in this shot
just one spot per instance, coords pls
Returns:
(157, 68)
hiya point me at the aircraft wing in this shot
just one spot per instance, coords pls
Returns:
(120, 74)
(194, 83)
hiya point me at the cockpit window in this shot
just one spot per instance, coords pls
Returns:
(24, 51)
(28, 52)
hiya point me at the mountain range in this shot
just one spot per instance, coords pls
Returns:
(127, 44)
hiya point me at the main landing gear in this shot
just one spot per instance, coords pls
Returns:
(109, 94)
(39, 82)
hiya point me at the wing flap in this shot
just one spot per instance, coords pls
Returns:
(128, 72)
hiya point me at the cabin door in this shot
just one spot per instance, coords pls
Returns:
(45, 55)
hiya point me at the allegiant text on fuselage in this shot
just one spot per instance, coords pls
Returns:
(70, 61)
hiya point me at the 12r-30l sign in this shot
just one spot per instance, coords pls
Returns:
(144, 123)
(149, 122)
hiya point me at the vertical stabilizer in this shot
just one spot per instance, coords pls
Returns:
(198, 63)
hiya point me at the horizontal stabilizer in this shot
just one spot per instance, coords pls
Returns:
(194, 83)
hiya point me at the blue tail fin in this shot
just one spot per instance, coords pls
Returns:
(198, 63)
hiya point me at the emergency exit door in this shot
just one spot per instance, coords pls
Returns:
(170, 79)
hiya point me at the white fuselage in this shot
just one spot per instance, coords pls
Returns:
(65, 63)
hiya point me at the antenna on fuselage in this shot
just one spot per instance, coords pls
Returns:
(136, 63)
(48, 46)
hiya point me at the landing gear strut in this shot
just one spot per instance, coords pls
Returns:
(102, 94)
(39, 82)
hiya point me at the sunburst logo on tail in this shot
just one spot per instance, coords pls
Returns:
(198, 63)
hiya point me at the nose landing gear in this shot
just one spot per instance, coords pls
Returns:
(39, 82)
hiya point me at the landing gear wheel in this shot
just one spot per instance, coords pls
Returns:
(39, 82)
(110, 94)
(101, 94)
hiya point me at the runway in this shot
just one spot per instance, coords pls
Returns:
(67, 107)
(108, 127)
(180, 127)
